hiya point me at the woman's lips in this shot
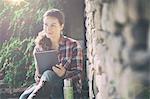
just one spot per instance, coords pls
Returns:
(50, 33)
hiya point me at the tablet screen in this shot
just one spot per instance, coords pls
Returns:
(46, 59)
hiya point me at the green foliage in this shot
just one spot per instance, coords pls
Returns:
(24, 19)
(17, 23)
(17, 61)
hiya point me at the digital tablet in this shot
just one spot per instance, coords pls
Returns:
(46, 59)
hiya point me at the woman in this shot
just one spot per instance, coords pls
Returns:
(69, 56)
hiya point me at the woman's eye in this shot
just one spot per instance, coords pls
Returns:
(45, 24)
(52, 25)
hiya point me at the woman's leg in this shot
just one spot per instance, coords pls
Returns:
(27, 92)
(53, 85)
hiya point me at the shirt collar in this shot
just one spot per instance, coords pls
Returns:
(62, 39)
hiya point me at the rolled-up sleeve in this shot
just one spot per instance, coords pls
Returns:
(76, 63)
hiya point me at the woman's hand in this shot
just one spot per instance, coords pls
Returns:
(37, 77)
(59, 70)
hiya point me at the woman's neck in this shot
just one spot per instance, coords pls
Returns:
(55, 43)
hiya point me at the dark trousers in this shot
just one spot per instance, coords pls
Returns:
(51, 89)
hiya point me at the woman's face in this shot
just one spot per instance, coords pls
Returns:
(52, 27)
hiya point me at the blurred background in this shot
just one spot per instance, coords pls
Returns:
(20, 22)
(115, 35)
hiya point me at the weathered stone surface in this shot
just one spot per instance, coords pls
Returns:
(149, 39)
(146, 7)
(118, 46)
(107, 21)
(127, 34)
(90, 21)
(125, 56)
(90, 6)
(97, 17)
(90, 76)
(101, 83)
(105, 1)
(136, 34)
(138, 9)
(133, 10)
(105, 16)
(103, 35)
(115, 46)
(89, 53)
(131, 85)
(99, 58)
(120, 11)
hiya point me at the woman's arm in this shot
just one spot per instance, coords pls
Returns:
(37, 74)
(76, 63)
(72, 65)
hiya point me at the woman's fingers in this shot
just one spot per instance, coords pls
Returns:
(60, 66)
(58, 70)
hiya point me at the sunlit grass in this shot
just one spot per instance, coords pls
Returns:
(15, 2)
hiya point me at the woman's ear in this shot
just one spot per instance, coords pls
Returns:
(62, 26)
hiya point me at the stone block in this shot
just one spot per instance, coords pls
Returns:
(149, 39)
(120, 11)
(99, 56)
(90, 6)
(107, 21)
(103, 35)
(97, 17)
(136, 34)
(104, 16)
(101, 84)
(138, 9)
(125, 56)
(139, 60)
(109, 66)
(131, 84)
(90, 76)
(127, 34)
(105, 1)
(133, 10)
(115, 46)
(146, 7)
(90, 21)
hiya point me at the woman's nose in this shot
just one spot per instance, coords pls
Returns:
(48, 29)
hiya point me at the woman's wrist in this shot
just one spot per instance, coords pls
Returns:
(39, 76)
(64, 75)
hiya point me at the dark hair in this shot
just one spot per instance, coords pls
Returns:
(57, 14)
(43, 41)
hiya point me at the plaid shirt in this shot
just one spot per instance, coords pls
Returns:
(71, 57)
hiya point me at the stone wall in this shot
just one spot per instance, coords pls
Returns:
(118, 48)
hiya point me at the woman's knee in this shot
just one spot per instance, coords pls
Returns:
(23, 96)
(48, 75)
(49, 72)
(27, 92)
